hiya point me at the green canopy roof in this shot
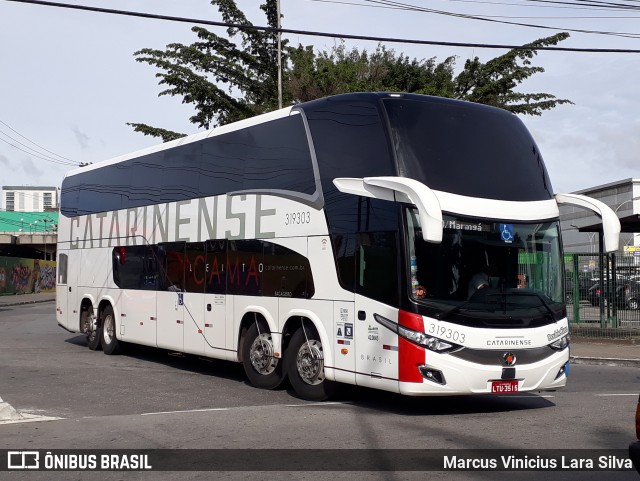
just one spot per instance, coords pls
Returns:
(28, 222)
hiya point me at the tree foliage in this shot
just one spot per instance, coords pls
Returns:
(493, 83)
(311, 76)
(227, 81)
(223, 80)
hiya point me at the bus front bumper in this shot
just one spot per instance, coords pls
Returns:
(447, 375)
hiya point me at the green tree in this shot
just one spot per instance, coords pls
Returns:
(226, 82)
(312, 75)
(493, 83)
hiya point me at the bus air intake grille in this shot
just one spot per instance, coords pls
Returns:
(495, 357)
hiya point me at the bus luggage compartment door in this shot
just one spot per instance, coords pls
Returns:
(170, 324)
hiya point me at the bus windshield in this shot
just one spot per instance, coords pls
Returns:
(487, 273)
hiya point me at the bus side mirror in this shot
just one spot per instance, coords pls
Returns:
(400, 189)
(610, 221)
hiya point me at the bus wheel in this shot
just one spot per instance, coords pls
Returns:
(109, 339)
(91, 329)
(262, 368)
(305, 366)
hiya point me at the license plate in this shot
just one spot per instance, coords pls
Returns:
(504, 387)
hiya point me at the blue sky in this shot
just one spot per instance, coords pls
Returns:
(71, 83)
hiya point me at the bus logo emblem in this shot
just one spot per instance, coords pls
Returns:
(509, 359)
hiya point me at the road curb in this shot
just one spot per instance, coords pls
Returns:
(605, 361)
(22, 303)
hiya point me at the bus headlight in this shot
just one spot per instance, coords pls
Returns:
(561, 343)
(420, 338)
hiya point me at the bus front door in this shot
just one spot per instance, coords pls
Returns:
(376, 293)
(73, 292)
(62, 289)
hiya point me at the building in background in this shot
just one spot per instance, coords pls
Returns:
(28, 198)
(579, 226)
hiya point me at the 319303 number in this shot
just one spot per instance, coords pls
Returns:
(447, 333)
(297, 218)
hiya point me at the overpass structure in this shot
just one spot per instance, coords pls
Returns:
(29, 234)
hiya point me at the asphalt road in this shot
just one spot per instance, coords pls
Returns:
(146, 398)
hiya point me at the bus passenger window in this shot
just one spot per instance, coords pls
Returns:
(62, 268)
(134, 267)
(215, 266)
(172, 256)
(195, 267)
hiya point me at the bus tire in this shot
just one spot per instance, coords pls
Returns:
(109, 338)
(263, 369)
(305, 366)
(91, 328)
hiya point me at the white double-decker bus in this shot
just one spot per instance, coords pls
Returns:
(400, 242)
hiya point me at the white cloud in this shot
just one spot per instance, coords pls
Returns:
(82, 138)
(33, 172)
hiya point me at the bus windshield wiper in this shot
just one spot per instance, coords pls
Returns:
(532, 294)
(446, 314)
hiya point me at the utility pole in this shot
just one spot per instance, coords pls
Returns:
(279, 57)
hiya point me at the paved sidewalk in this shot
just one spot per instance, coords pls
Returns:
(19, 299)
(583, 350)
(608, 352)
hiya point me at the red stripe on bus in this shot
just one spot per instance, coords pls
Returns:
(410, 355)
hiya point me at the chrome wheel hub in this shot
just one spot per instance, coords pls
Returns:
(261, 355)
(108, 329)
(90, 326)
(310, 362)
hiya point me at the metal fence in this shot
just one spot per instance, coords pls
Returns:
(603, 295)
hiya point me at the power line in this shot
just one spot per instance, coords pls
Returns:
(589, 3)
(32, 142)
(409, 7)
(485, 2)
(48, 159)
(577, 4)
(33, 152)
(318, 34)
(554, 5)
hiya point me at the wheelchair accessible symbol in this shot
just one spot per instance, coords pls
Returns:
(506, 233)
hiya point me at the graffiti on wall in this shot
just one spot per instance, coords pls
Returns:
(21, 278)
(25, 276)
(48, 278)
